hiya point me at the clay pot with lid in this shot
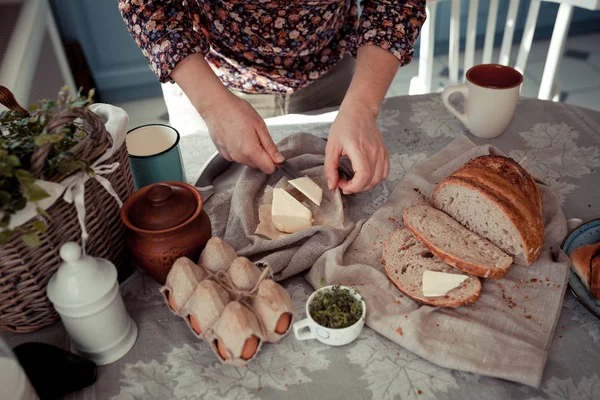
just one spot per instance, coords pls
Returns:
(165, 221)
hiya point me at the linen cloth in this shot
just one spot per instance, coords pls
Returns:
(294, 253)
(505, 334)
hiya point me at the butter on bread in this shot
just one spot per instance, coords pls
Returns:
(585, 262)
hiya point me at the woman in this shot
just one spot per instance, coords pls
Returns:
(239, 61)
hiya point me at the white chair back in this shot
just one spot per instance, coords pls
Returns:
(423, 82)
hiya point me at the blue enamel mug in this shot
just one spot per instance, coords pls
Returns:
(154, 155)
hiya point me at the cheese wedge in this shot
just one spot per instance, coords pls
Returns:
(309, 188)
(439, 283)
(288, 214)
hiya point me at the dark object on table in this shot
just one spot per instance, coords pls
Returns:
(165, 221)
(54, 372)
(287, 168)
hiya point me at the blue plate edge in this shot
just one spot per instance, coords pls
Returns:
(572, 273)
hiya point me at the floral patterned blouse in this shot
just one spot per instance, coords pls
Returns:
(266, 46)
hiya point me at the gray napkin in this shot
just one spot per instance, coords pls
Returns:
(505, 334)
(292, 253)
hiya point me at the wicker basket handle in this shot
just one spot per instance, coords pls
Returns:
(94, 145)
(8, 100)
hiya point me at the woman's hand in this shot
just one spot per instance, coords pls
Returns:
(355, 134)
(240, 134)
(237, 130)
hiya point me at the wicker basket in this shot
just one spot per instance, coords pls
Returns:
(25, 271)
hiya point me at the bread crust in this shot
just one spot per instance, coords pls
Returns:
(441, 301)
(505, 183)
(595, 267)
(585, 262)
(463, 265)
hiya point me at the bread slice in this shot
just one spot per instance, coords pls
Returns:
(497, 199)
(405, 260)
(585, 262)
(454, 244)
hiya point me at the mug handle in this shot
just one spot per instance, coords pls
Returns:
(305, 323)
(447, 92)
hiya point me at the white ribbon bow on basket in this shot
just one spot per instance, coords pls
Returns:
(72, 189)
(116, 121)
(76, 193)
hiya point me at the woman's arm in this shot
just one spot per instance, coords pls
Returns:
(236, 129)
(166, 32)
(170, 37)
(387, 32)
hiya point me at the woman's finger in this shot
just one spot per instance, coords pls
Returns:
(386, 168)
(256, 154)
(363, 173)
(332, 160)
(267, 143)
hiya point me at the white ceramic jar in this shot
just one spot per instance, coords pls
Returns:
(85, 293)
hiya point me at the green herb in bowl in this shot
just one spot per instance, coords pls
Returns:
(336, 308)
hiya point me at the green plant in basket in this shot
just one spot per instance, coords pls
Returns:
(21, 136)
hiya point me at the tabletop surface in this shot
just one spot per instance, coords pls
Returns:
(562, 145)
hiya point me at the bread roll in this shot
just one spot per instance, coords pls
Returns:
(585, 261)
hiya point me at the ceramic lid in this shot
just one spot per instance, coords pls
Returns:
(163, 206)
(80, 279)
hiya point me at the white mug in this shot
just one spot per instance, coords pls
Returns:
(491, 94)
(329, 336)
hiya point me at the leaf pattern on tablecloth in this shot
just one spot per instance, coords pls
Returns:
(432, 117)
(392, 372)
(140, 286)
(588, 388)
(150, 380)
(581, 318)
(553, 155)
(379, 196)
(400, 164)
(195, 151)
(195, 369)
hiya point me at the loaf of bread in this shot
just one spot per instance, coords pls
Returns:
(405, 261)
(497, 199)
(585, 261)
(454, 244)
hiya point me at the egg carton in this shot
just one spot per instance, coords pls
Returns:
(229, 302)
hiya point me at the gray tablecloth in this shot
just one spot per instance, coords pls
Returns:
(562, 145)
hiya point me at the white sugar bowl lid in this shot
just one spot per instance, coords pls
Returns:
(80, 279)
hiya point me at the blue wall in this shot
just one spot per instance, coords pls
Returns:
(119, 68)
(122, 73)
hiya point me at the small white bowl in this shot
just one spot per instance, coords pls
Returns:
(329, 336)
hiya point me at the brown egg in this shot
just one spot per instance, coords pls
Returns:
(250, 347)
(194, 323)
(222, 351)
(283, 323)
(171, 301)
